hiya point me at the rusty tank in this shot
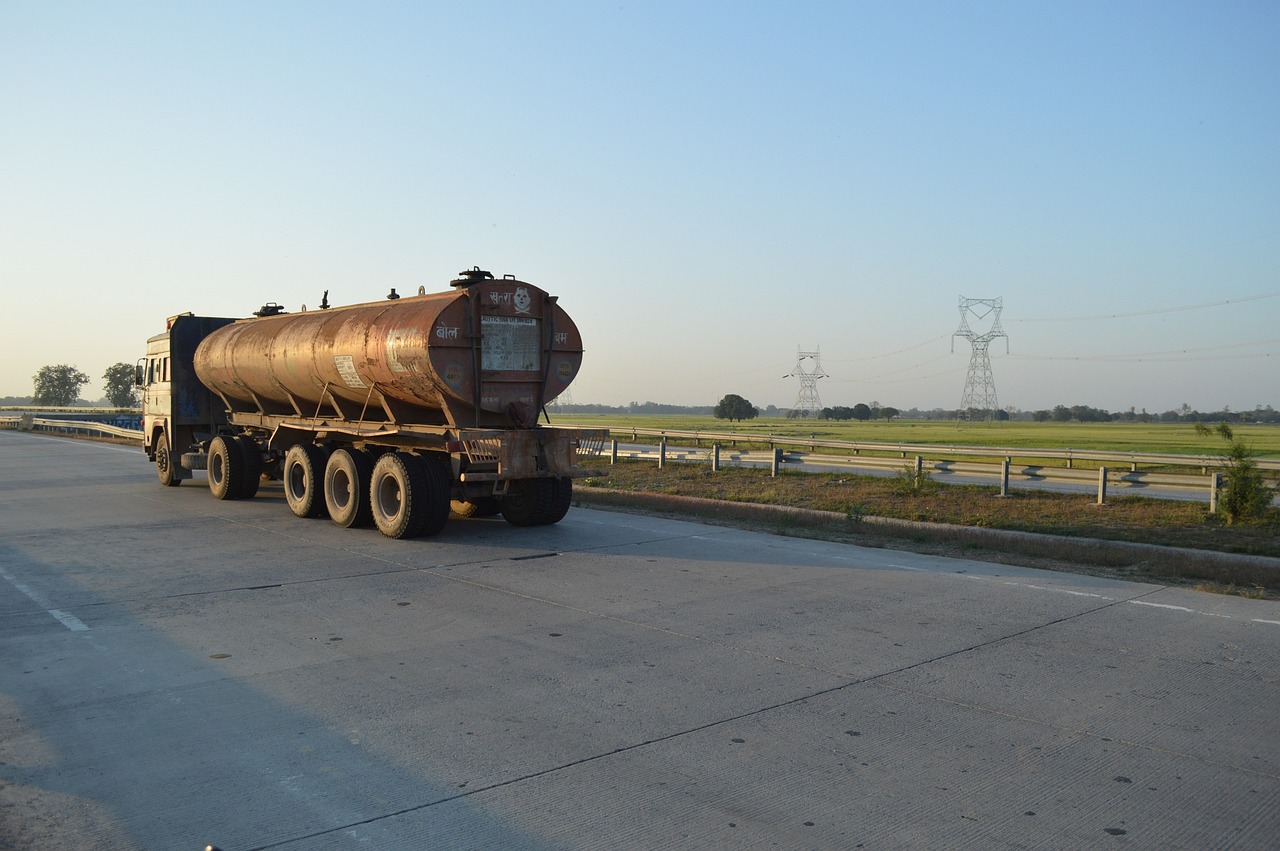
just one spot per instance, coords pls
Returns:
(490, 353)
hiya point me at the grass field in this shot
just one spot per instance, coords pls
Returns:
(1173, 438)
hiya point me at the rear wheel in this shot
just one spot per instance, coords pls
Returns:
(164, 462)
(346, 487)
(561, 498)
(226, 468)
(529, 502)
(408, 495)
(304, 466)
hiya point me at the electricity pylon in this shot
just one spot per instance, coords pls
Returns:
(979, 385)
(807, 400)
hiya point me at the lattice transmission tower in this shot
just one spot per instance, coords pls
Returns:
(979, 399)
(807, 401)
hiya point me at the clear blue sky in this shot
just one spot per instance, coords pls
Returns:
(707, 186)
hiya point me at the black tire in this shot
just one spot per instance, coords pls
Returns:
(481, 506)
(561, 499)
(252, 460)
(226, 468)
(440, 487)
(397, 490)
(529, 502)
(346, 487)
(165, 468)
(407, 496)
(304, 479)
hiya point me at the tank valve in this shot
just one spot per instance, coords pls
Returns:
(467, 277)
(269, 309)
(393, 295)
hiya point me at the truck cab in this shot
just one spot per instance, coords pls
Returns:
(176, 407)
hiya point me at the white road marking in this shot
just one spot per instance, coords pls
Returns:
(70, 621)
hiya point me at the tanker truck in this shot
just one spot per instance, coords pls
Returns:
(399, 413)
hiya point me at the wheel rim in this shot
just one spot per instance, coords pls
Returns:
(296, 481)
(341, 489)
(390, 497)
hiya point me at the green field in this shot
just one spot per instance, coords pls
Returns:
(1173, 438)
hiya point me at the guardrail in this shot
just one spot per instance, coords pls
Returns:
(907, 450)
(1205, 485)
(30, 423)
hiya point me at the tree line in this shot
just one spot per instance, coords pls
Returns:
(59, 386)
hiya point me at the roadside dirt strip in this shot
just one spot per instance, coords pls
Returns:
(177, 671)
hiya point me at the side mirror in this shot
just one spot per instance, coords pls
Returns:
(140, 372)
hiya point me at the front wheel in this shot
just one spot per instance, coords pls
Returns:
(164, 462)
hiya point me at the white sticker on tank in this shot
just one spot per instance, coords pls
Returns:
(346, 366)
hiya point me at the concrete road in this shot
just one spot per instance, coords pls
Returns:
(179, 671)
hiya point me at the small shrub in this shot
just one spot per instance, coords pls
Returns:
(1245, 496)
(906, 483)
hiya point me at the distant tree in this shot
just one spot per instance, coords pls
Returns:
(861, 412)
(119, 385)
(733, 407)
(889, 413)
(58, 385)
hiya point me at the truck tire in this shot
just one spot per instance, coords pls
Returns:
(165, 468)
(440, 485)
(529, 502)
(562, 498)
(406, 497)
(304, 479)
(252, 460)
(346, 487)
(481, 506)
(226, 468)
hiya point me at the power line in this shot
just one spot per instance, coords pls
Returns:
(1169, 355)
(885, 375)
(890, 354)
(1154, 312)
